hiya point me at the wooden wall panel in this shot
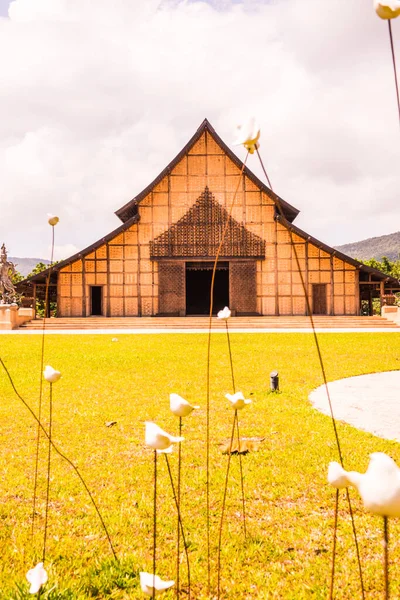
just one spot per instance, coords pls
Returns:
(77, 266)
(116, 307)
(131, 307)
(101, 252)
(116, 278)
(268, 306)
(299, 306)
(212, 146)
(339, 305)
(181, 168)
(285, 305)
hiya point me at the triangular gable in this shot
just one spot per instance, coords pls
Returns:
(217, 145)
(199, 232)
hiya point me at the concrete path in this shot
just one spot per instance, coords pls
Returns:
(203, 331)
(369, 402)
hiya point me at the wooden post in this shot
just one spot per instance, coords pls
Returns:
(276, 269)
(84, 310)
(306, 284)
(332, 294)
(108, 306)
(47, 308)
(34, 300)
(357, 291)
(139, 287)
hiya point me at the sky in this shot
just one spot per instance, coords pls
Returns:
(97, 97)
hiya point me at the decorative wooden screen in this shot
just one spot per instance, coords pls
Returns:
(172, 292)
(243, 287)
(199, 232)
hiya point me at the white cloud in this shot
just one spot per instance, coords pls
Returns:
(98, 98)
(62, 252)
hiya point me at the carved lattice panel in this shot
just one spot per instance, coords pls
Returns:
(199, 232)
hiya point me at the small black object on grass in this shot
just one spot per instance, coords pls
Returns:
(274, 381)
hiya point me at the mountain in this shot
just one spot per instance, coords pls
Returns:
(25, 265)
(376, 247)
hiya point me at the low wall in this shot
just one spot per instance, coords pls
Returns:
(12, 317)
(391, 313)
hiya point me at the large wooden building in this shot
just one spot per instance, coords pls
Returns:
(159, 261)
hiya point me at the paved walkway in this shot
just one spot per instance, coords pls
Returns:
(203, 330)
(369, 402)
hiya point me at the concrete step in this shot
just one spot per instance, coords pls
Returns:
(92, 323)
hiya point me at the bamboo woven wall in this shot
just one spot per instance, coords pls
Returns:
(130, 278)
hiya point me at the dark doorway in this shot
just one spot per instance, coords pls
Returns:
(319, 299)
(96, 300)
(198, 287)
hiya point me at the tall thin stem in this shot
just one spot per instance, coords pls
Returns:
(334, 545)
(241, 478)
(223, 507)
(46, 303)
(386, 555)
(230, 355)
(180, 522)
(208, 376)
(154, 524)
(48, 472)
(179, 504)
(394, 66)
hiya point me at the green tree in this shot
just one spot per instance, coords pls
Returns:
(40, 308)
(17, 277)
(385, 265)
(38, 269)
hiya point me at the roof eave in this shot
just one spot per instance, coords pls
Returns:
(43, 274)
(340, 255)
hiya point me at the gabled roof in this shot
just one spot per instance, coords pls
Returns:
(41, 277)
(126, 211)
(199, 233)
(356, 263)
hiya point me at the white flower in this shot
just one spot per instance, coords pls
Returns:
(158, 439)
(179, 406)
(36, 577)
(114, 340)
(148, 582)
(387, 9)
(379, 486)
(52, 219)
(51, 375)
(248, 136)
(225, 313)
(238, 400)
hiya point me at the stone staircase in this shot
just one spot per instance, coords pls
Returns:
(140, 323)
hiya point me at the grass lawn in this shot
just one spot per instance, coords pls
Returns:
(289, 504)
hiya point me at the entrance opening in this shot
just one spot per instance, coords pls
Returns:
(96, 300)
(319, 299)
(198, 287)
